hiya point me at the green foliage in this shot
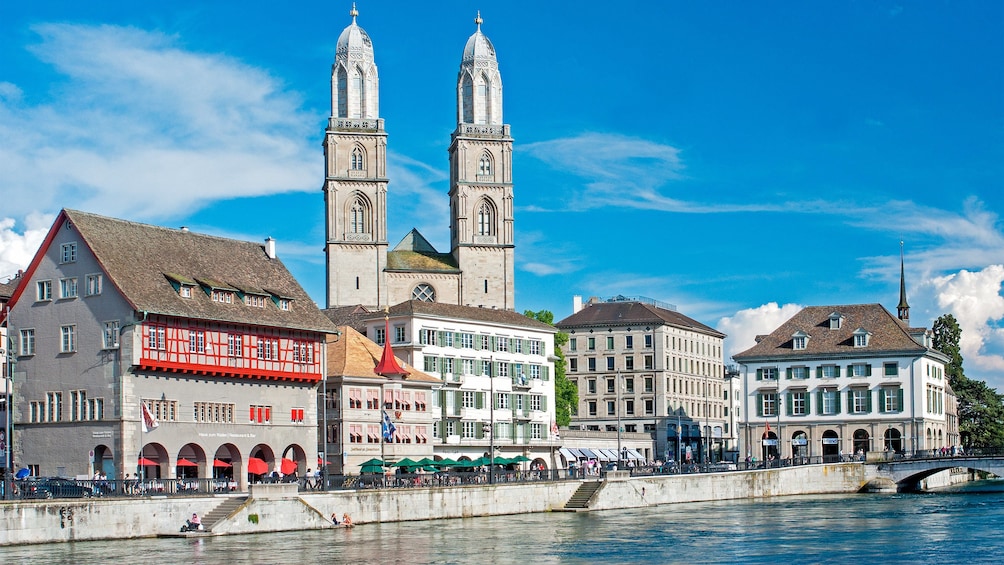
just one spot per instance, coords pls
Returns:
(566, 395)
(981, 408)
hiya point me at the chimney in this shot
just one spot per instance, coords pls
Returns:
(184, 228)
(270, 247)
(576, 303)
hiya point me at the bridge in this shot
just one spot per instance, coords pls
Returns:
(907, 472)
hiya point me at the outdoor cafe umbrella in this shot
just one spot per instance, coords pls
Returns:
(186, 463)
(406, 462)
(445, 462)
(257, 466)
(373, 461)
(371, 468)
(22, 473)
(220, 463)
(520, 459)
(144, 462)
(425, 462)
(287, 466)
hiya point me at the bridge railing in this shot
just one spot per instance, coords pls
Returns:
(950, 452)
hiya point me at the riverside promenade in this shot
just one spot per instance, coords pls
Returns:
(280, 507)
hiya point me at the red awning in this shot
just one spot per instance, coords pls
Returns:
(257, 466)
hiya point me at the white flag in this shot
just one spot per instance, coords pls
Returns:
(149, 422)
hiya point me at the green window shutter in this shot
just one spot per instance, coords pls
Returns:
(457, 341)
(491, 343)
(477, 341)
(838, 403)
(545, 372)
(512, 344)
(759, 374)
(868, 373)
(881, 400)
(819, 372)
(837, 367)
(899, 399)
(868, 402)
(479, 400)
(819, 402)
(543, 403)
(759, 404)
(478, 367)
(850, 370)
(787, 373)
(788, 403)
(808, 404)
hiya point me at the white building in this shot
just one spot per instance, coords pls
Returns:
(844, 379)
(496, 368)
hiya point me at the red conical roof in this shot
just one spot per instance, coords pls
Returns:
(388, 365)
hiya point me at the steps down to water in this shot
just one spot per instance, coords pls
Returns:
(581, 497)
(221, 512)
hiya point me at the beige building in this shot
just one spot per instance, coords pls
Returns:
(142, 349)
(361, 269)
(359, 403)
(643, 365)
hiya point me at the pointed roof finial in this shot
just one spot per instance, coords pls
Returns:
(354, 12)
(903, 310)
(388, 365)
(478, 20)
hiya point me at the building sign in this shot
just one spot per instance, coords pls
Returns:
(800, 441)
(831, 441)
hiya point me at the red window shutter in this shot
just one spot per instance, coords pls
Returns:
(268, 414)
(251, 417)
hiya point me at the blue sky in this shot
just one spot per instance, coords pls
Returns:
(737, 159)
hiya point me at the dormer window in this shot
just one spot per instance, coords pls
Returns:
(861, 337)
(224, 296)
(185, 291)
(181, 284)
(799, 340)
(256, 300)
(282, 301)
(835, 320)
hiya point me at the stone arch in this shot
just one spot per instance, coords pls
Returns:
(358, 215)
(831, 446)
(296, 454)
(799, 444)
(192, 453)
(893, 440)
(861, 442)
(103, 460)
(153, 462)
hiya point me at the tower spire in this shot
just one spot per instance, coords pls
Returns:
(354, 13)
(478, 20)
(903, 310)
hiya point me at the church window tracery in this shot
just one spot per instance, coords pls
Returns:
(358, 160)
(486, 218)
(485, 164)
(358, 216)
(424, 292)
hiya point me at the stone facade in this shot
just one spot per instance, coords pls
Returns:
(361, 269)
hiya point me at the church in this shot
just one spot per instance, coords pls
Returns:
(362, 269)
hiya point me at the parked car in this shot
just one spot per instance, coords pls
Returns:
(56, 488)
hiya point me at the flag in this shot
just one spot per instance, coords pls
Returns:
(388, 427)
(554, 430)
(766, 433)
(149, 422)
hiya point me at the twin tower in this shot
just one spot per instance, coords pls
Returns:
(361, 269)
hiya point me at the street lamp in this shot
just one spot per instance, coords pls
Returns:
(617, 389)
(7, 350)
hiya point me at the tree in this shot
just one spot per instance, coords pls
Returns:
(566, 394)
(980, 408)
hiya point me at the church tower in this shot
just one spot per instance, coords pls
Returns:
(355, 185)
(481, 205)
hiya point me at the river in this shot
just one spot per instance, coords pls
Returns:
(960, 524)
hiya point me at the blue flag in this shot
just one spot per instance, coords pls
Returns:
(388, 427)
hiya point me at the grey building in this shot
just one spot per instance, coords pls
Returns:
(143, 349)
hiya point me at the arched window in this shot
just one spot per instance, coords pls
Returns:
(358, 161)
(486, 218)
(357, 94)
(343, 92)
(485, 164)
(358, 216)
(424, 292)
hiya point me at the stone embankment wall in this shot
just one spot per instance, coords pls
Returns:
(273, 508)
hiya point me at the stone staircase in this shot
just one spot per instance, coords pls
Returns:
(581, 497)
(221, 512)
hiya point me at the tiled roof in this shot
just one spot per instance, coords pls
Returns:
(604, 314)
(7, 288)
(354, 355)
(353, 316)
(472, 313)
(421, 261)
(140, 260)
(888, 334)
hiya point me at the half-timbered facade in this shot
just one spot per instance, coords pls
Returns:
(142, 350)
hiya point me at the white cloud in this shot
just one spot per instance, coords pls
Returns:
(138, 127)
(975, 299)
(745, 325)
(17, 249)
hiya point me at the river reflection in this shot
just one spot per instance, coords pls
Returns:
(954, 525)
